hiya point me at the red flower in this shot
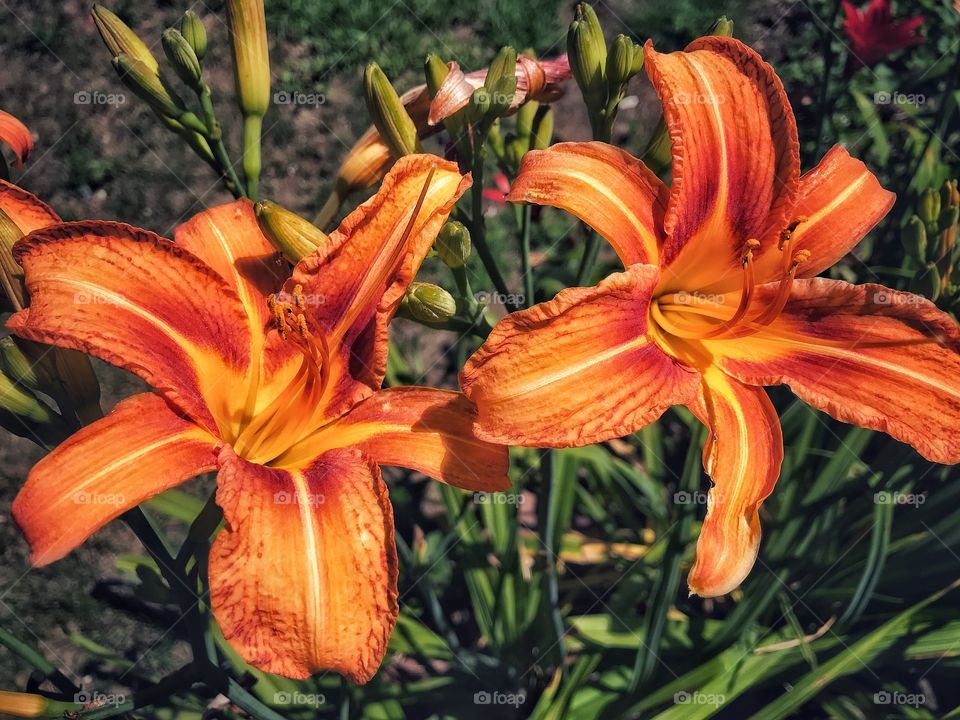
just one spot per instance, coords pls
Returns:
(874, 34)
(498, 194)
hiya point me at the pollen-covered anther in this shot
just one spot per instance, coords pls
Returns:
(288, 315)
(799, 258)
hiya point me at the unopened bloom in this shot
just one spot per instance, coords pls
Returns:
(16, 136)
(719, 298)
(274, 383)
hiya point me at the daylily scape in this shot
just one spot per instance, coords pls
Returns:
(272, 382)
(719, 297)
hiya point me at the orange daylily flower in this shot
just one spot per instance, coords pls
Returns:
(718, 299)
(278, 392)
(15, 135)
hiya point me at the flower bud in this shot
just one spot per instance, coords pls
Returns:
(587, 52)
(453, 244)
(21, 366)
(183, 59)
(146, 83)
(290, 234)
(914, 239)
(927, 282)
(948, 217)
(480, 103)
(620, 63)
(22, 402)
(525, 117)
(543, 129)
(11, 274)
(251, 59)
(121, 40)
(721, 26)
(30, 705)
(391, 118)
(928, 206)
(429, 303)
(436, 71)
(191, 27)
(501, 81)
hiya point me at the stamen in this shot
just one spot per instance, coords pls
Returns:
(783, 291)
(746, 293)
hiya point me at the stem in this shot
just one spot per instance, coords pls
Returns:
(525, 212)
(828, 58)
(478, 231)
(31, 656)
(243, 699)
(252, 126)
(329, 211)
(181, 679)
(547, 518)
(215, 139)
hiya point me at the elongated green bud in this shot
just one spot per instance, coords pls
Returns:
(928, 206)
(121, 40)
(721, 26)
(453, 244)
(391, 118)
(146, 83)
(20, 367)
(429, 303)
(587, 52)
(949, 217)
(251, 59)
(927, 282)
(543, 129)
(436, 71)
(290, 234)
(183, 59)
(191, 27)
(526, 114)
(914, 239)
(11, 274)
(22, 402)
(620, 63)
(501, 81)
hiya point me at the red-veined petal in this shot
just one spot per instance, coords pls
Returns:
(15, 135)
(424, 429)
(138, 450)
(576, 370)
(140, 302)
(352, 292)
(304, 576)
(25, 209)
(867, 355)
(606, 187)
(735, 158)
(742, 455)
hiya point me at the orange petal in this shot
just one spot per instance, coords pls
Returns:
(576, 370)
(304, 576)
(140, 302)
(607, 188)
(25, 209)
(229, 240)
(742, 455)
(424, 429)
(352, 292)
(867, 355)
(138, 450)
(15, 135)
(735, 157)
(842, 201)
